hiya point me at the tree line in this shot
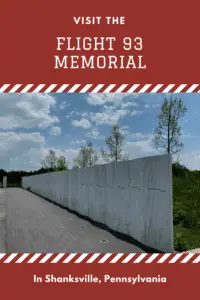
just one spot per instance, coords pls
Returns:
(87, 155)
(166, 139)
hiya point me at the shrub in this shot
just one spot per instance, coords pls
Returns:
(180, 244)
(179, 170)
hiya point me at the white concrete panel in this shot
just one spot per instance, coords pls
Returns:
(132, 197)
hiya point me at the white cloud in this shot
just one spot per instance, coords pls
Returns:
(26, 111)
(113, 107)
(84, 114)
(101, 98)
(141, 136)
(55, 130)
(64, 105)
(71, 114)
(140, 148)
(109, 117)
(152, 105)
(136, 112)
(191, 160)
(24, 151)
(129, 104)
(95, 133)
(81, 141)
(83, 123)
(124, 130)
(19, 150)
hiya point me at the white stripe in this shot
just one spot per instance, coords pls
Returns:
(180, 88)
(15, 88)
(104, 258)
(62, 88)
(97, 88)
(69, 258)
(74, 88)
(192, 88)
(140, 258)
(50, 88)
(175, 258)
(22, 258)
(187, 258)
(92, 258)
(116, 258)
(35, 256)
(156, 88)
(121, 88)
(45, 258)
(109, 88)
(38, 88)
(128, 258)
(2, 255)
(168, 88)
(133, 88)
(10, 258)
(81, 258)
(151, 258)
(163, 258)
(197, 260)
(57, 258)
(4, 87)
(27, 88)
(84, 90)
(145, 87)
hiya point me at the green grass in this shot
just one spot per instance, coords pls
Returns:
(186, 199)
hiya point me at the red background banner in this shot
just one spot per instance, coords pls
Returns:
(16, 280)
(28, 31)
(170, 31)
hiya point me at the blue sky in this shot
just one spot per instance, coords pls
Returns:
(31, 124)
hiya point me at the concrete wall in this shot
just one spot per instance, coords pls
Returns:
(132, 197)
(4, 181)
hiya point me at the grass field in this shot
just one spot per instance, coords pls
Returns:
(186, 199)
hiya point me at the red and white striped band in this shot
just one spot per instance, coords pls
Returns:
(99, 88)
(99, 258)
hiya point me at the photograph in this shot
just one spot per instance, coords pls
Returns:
(99, 173)
(99, 150)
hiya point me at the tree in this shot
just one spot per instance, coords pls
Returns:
(167, 133)
(115, 146)
(49, 161)
(86, 157)
(81, 159)
(92, 155)
(61, 163)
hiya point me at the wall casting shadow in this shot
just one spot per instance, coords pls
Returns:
(119, 235)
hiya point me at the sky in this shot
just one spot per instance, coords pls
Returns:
(31, 124)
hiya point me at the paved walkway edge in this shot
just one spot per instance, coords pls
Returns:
(3, 221)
